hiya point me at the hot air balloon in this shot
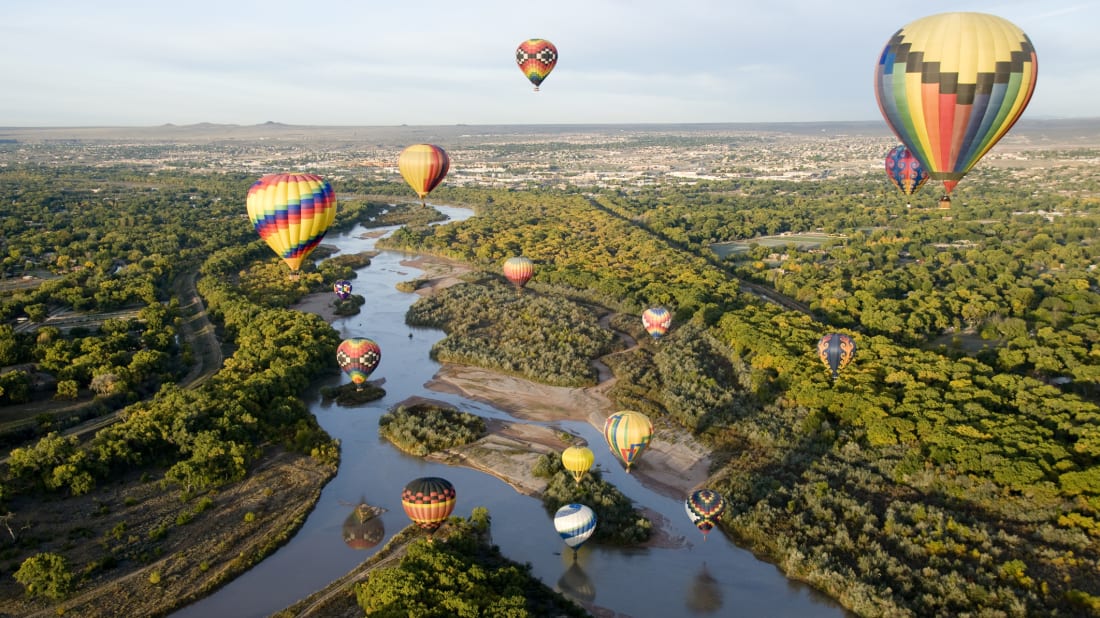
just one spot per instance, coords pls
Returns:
(519, 271)
(575, 523)
(342, 288)
(951, 85)
(363, 527)
(628, 434)
(577, 460)
(358, 357)
(428, 501)
(656, 321)
(536, 58)
(704, 507)
(291, 212)
(904, 170)
(836, 351)
(423, 166)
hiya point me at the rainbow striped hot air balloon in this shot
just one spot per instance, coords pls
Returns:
(358, 357)
(704, 507)
(656, 321)
(578, 461)
(428, 501)
(628, 434)
(519, 271)
(836, 350)
(291, 212)
(575, 523)
(951, 85)
(536, 58)
(423, 166)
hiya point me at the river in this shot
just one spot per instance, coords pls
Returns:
(697, 578)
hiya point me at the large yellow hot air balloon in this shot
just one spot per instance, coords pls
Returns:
(423, 166)
(577, 460)
(291, 212)
(628, 434)
(951, 85)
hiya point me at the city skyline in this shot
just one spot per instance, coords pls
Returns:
(134, 64)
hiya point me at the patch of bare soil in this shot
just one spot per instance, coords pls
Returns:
(136, 549)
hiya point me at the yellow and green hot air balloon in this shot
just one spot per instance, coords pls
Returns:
(578, 461)
(628, 434)
(951, 85)
(291, 212)
(423, 166)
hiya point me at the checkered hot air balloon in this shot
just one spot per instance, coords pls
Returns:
(536, 58)
(704, 507)
(428, 501)
(951, 85)
(358, 357)
(342, 289)
(291, 212)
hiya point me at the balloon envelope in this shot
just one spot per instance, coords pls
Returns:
(536, 58)
(905, 170)
(628, 434)
(519, 271)
(342, 289)
(656, 321)
(428, 501)
(704, 507)
(836, 350)
(951, 85)
(358, 357)
(423, 166)
(291, 212)
(577, 460)
(575, 523)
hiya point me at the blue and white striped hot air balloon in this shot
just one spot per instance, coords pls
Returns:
(575, 523)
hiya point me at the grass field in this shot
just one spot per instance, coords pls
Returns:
(724, 249)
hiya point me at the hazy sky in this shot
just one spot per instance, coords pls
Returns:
(366, 62)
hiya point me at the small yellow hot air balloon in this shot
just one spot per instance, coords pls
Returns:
(578, 461)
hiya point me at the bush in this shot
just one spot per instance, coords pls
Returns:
(46, 576)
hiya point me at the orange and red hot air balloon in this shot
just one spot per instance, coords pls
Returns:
(951, 85)
(423, 166)
(291, 212)
(519, 271)
(428, 501)
(536, 58)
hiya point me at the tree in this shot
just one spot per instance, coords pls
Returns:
(46, 575)
(67, 389)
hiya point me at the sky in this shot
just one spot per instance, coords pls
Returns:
(443, 62)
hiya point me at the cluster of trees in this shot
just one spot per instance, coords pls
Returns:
(488, 324)
(617, 521)
(461, 575)
(425, 428)
(1006, 463)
